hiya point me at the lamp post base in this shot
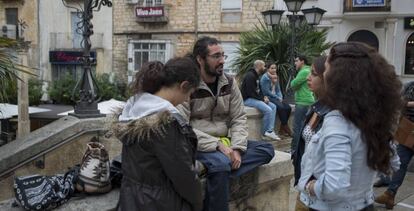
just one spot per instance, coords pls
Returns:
(87, 110)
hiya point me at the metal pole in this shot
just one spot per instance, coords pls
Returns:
(87, 106)
(288, 91)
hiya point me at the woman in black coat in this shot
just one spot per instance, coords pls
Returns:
(158, 154)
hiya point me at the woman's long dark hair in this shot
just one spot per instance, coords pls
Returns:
(319, 67)
(154, 75)
(364, 87)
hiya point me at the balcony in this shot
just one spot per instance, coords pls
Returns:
(62, 40)
(153, 14)
(367, 6)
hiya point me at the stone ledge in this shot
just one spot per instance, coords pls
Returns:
(278, 171)
(42, 140)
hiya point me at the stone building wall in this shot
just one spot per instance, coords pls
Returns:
(27, 12)
(185, 24)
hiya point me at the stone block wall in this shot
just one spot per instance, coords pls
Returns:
(27, 13)
(185, 23)
(51, 150)
(120, 56)
(180, 14)
(210, 15)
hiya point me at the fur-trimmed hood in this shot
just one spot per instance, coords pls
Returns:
(143, 128)
(143, 116)
(144, 104)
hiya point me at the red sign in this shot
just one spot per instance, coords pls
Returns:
(143, 12)
(68, 57)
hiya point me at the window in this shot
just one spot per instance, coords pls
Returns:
(366, 37)
(142, 51)
(12, 20)
(11, 16)
(231, 5)
(409, 55)
(60, 71)
(230, 49)
(76, 33)
(151, 3)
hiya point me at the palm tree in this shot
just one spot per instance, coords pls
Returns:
(273, 46)
(9, 66)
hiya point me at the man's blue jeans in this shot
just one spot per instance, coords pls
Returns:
(219, 172)
(299, 118)
(397, 178)
(268, 110)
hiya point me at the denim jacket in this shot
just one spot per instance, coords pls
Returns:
(321, 110)
(336, 157)
(266, 87)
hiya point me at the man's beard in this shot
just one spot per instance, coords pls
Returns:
(213, 71)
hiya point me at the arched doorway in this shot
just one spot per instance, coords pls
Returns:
(409, 55)
(366, 37)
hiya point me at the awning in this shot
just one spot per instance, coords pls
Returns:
(8, 111)
(105, 107)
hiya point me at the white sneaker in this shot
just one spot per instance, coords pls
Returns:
(272, 135)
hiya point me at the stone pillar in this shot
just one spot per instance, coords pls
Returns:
(390, 40)
(100, 62)
(336, 35)
(23, 125)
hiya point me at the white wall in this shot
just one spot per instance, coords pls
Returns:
(392, 36)
(56, 18)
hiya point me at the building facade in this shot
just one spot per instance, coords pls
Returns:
(147, 30)
(19, 20)
(61, 38)
(161, 29)
(387, 25)
(53, 31)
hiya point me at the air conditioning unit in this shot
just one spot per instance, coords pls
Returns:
(132, 1)
(9, 31)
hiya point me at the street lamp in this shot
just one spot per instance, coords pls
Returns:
(294, 5)
(313, 17)
(272, 17)
(87, 106)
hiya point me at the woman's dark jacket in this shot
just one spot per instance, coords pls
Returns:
(158, 158)
(321, 110)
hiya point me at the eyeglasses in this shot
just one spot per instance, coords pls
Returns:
(218, 56)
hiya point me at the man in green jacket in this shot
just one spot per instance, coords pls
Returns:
(303, 97)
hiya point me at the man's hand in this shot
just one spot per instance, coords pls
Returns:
(235, 159)
(224, 149)
(266, 99)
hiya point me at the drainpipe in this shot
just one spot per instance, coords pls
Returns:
(196, 19)
(38, 37)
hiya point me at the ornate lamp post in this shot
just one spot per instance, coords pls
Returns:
(87, 105)
(313, 17)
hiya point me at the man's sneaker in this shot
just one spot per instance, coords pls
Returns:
(272, 135)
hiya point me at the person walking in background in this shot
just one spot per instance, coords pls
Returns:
(355, 140)
(313, 120)
(404, 152)
(216, 112)
(158, 152)
(303, 97)
(253, 97)
(270, 87)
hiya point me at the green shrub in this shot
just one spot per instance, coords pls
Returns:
(273, 46)
(111, 89)
(60, 91)
(35, 91)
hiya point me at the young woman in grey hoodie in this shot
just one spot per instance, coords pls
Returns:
(158, 154)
